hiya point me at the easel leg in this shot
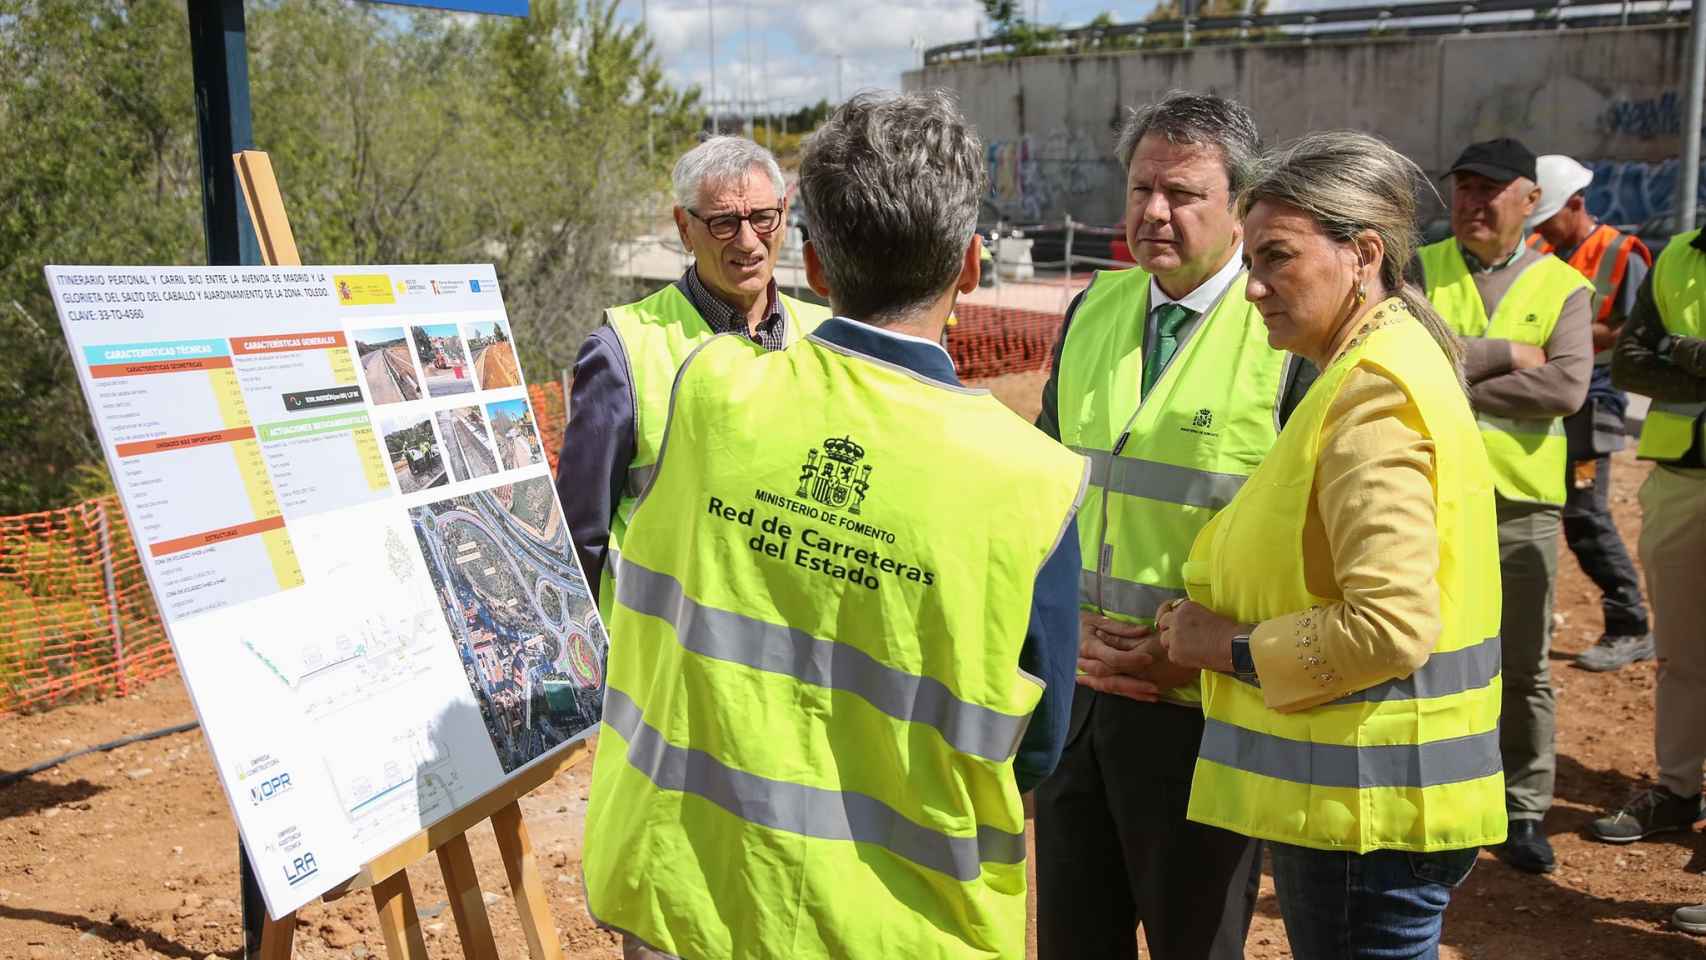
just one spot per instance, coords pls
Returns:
(467, 903)
(277, 938)
(398, 920)
(524, 883)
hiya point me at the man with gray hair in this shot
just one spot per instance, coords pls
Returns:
(730, 204)
(835, 674)
(1163, 376)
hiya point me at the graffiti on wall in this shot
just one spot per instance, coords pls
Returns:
(1646, 119)
(1635, 191)
(1030, 176)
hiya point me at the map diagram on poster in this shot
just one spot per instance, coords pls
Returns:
(341, 495)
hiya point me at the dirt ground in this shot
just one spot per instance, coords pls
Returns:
(131, 853)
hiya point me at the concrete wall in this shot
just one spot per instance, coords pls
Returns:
(1605, 96)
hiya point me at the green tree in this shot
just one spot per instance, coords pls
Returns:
(97, 165)
(1024, 38)
(399, 137)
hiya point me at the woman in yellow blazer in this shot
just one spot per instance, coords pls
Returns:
(1344, 607)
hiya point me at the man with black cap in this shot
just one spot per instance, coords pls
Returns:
(1527, 326)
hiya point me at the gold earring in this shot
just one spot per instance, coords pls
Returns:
(1362, 293)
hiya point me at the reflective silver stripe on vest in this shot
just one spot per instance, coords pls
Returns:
(1444, 674)
(1551, 427)
(1161, 481)
(1689, 410)
(638, 477)
(1332, 765)
(799, 809)
(1127, 598)
(737, 638)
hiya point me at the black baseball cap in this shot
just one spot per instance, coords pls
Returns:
(1503, 160)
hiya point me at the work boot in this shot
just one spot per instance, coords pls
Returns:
(1526, 848)
(1690, 919)
(1651, 811)
(1614, 652)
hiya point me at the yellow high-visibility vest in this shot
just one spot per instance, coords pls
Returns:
(657, 334)
(1679, 291)
(1409, 764)
(813, 707)
(1160, 468)
(1529, 455)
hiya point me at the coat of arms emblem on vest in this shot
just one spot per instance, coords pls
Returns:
(836, 478)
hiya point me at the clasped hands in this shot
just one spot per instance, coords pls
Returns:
(1138, 661)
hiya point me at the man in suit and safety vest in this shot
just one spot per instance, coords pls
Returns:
(1526, 323)
(1662, 353)
(845, 621)
(1164, 378)
(1615, 263)
(730, 206)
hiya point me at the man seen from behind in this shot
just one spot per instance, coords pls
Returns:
(844, 613)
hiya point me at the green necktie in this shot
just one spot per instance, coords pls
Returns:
(1168, 319)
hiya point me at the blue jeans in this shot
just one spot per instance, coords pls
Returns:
(1383, 905)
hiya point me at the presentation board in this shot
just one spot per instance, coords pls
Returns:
(341, 496)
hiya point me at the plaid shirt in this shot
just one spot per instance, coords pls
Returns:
(772, 330)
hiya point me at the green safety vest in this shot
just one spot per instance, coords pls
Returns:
(1529, 455)
(657, 334)
(811, 717)
(1679, 291)
(1409, 764)
(1160, 468)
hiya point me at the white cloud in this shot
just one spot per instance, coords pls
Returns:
(793, 46)
(795, 43)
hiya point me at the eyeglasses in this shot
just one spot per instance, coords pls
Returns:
(725, 226)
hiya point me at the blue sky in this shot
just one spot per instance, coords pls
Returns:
(794, 43)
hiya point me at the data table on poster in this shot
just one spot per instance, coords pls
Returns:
(375, 604)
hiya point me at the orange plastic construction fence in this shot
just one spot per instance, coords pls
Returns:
(996, 341)
(76, 616)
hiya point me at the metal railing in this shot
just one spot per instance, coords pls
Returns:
(1404, 19)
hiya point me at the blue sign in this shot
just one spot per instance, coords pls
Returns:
(502, 8)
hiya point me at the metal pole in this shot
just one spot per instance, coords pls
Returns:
(112, 599)
(1688, 195)
(1069, 250)
(711, 22)
(219, 59)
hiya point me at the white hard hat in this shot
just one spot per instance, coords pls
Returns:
(1560, 179)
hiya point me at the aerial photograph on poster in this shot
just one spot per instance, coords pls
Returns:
(520, 613)
(416, 458)
(494, 354)
(513, 430)
(443, 361)
(467, 443)
(386, 365)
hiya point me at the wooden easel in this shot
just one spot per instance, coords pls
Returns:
(387, 875)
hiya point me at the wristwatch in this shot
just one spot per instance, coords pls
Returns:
(1243, 664)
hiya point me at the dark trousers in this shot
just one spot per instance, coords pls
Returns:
(1381, 905)
(1599, 548)
(1114, 849)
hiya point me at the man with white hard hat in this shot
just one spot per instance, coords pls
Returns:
(1615, 263)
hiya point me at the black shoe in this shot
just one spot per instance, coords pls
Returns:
(1526, 848)
(1615, 652)
(1651, 811)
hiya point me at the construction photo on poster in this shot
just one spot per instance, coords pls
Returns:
(340, 491)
